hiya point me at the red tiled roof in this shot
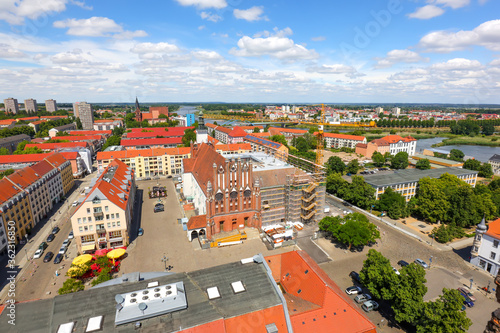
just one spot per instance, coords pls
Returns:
(25, 158)
(262, 134)
(224, 129)
(380, 142)
(76, 138)
(42, 167)
(343, 136)
(56, 159)
(200, 165)
(172, 132)
(212, 140)
(251, 127)
(131, 153)
(494, 229)
(24, 177)
(38, 122)
(237, 132)
(29, 118)
(80, 132)
(7, 190)
(287, 130)
(210, 125)
(196, 222)
(397, 138)
(315, 303)
(234, 147)
(151, 142)
(7, 121)
(69, 155)
(58, 145)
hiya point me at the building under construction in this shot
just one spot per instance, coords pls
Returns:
(289, 193)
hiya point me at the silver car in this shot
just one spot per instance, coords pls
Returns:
(421, 263)
(362, 298)
(369, 306)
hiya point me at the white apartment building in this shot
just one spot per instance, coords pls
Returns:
(398, 144)
(485, 252)
(11, 105)
(104, 218)
(334, 140)
(51, 105)
(495, 163)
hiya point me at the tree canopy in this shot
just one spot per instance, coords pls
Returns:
(189, 136)
(335, 164)
(378, 159)
(423, 164)
(279, 139)
(353, 167)
(456, 155)
(400, 161)
(393, 203)
(352, 230)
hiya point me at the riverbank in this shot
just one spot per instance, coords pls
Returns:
(470, 141)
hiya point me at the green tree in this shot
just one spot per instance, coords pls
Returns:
(359, 193)
(79, 123)
(400, 161)
(279, 139)
(6, 173)
(113, 140)
(444, 315)
(408, 299)
(378, 159)
(456, 155)
(256, 130)
(353, 167)
(335, 164)
(423, 164)
(301, 144)
(189, 136)
(472, 164)
(432, 204)
(485, 171)
(20, 146)
(118, 131)
(71, 286)
(4, 151)
(378, 276)
(488, 129)
(393, 203)
(352, 230)
(336, 185)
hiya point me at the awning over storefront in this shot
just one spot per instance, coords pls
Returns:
(88, 247)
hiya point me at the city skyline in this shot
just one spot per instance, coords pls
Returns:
(435, 51)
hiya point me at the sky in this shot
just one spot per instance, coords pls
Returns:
(251, 51)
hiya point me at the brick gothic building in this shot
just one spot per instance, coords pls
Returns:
(225, 194)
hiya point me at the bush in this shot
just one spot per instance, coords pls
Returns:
(71, 286)
(445, 234)
(494, 139)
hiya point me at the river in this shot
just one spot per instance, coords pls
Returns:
(480, 153)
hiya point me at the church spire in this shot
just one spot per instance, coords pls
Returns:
(138, 115)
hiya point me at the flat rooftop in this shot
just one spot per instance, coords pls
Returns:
(412, 175)
(261, 161)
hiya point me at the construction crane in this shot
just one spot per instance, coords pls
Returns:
(320, 137)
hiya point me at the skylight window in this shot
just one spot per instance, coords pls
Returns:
(213, 293)
(94, 324)
(238, 287)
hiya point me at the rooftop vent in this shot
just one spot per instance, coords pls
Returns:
(213, 293)
(94, 324)
(238, 287)
(147, 303)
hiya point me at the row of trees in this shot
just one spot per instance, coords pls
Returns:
(462, 127)
(406, 123)
(405, 292)
(6, 132)
(485, 169)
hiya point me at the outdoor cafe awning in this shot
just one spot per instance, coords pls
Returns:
(88, 247)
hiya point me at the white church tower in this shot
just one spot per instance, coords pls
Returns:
(201, 131)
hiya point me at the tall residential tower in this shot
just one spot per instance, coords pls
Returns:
(83, 110)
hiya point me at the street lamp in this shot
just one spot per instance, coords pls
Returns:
(165, 259)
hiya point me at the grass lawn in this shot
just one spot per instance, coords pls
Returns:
(467, 140)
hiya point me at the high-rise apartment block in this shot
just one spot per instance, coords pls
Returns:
(30, 105)
(11, 105)
(83, 110)
(51, 105)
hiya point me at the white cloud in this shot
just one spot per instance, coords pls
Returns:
(457, 64)
(7, 52)
(97, 27)
(204, 3)
(278, 47)
(318, 39)
(81, 4)
(210, 17)
(397, 56)
(15, 11)
(486, 35)
(427, 12)
(143, 48)
(250, 14)
(453, 3)
(348, 71)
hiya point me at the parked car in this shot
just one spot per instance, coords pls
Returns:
(354, 290)
(58, 258)
(55, 230)
(140, 232)
(71, 235)
(402, 263)
(38, 254)
(369, 306)
(43, 246)
(362, 298)
(48, 257)
(467, 300)
(74, 204)
(355, 276)
(421, 263)
(62, 250)
(66, 242)
(395, 270)
(159, 209)
(50, 238)
(467, 292)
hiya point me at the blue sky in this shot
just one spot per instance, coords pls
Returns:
(391, 51)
